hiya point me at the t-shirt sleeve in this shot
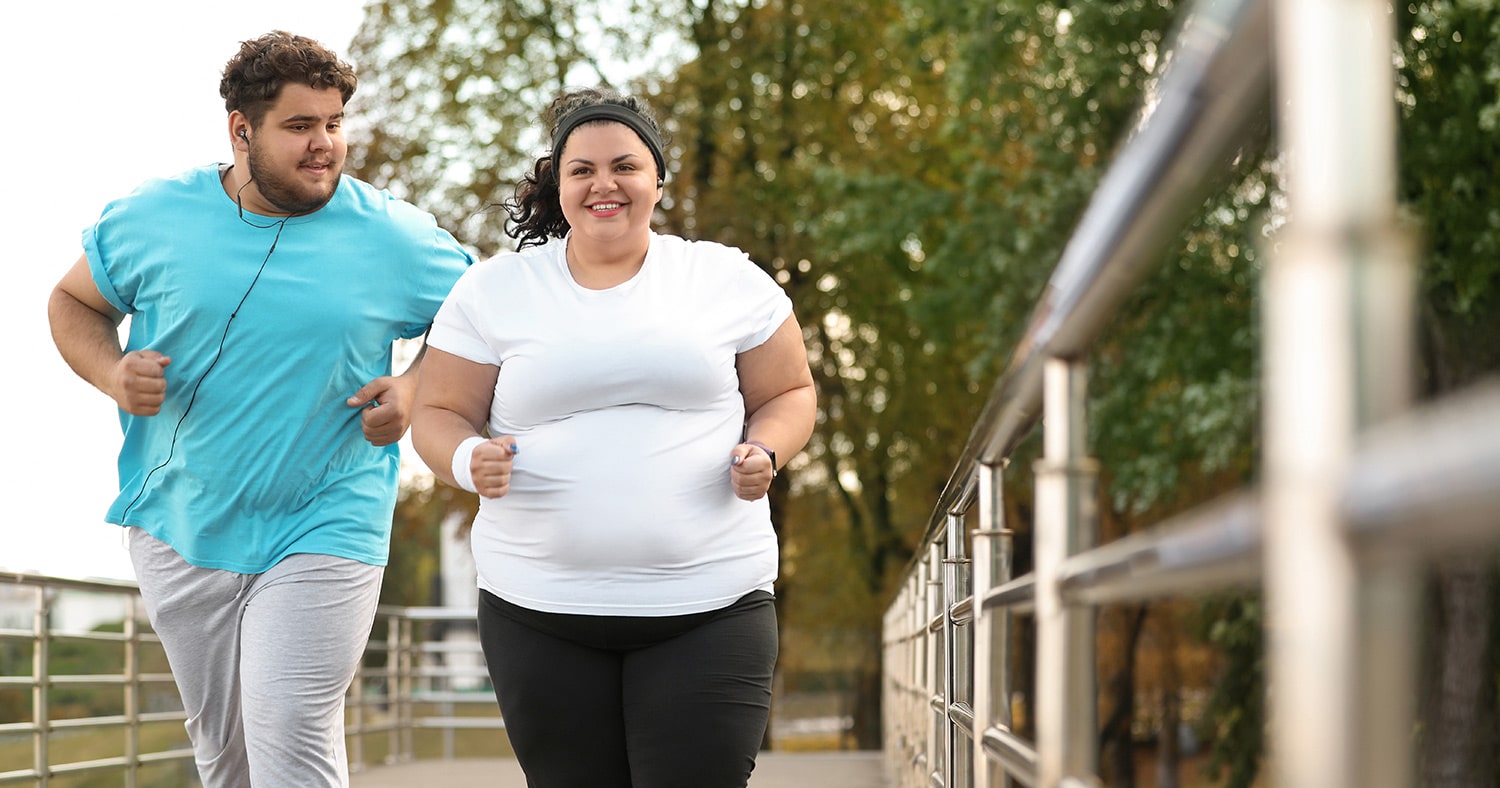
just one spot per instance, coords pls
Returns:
(456, 328)
(764, 303)
(444, 260)
(100, 240)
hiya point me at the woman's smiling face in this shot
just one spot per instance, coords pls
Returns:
(607, 182)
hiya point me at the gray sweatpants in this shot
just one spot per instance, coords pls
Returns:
(262, 661)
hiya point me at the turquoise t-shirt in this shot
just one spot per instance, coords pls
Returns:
(255, 455)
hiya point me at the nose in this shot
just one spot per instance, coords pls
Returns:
(320, 140)
(604, 181)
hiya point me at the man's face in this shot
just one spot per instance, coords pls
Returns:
(297, 152)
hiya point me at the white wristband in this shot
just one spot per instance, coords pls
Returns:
(461, 458)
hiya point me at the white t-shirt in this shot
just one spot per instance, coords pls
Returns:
(625, 405)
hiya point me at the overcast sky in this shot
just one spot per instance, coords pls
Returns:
(101, 95)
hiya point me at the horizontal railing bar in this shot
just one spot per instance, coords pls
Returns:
(962, 611)
(1429, 482)
(1213, 547)
(185, 753)
(962, 715)
(449, 672)
(85, 680)
(98, 764)
(468, 723)
(478, 696)
(78, 635)
(466, 614)
(76, 723)
(445, 647)
(1012, 752)
(120, 587)
(1017, 595)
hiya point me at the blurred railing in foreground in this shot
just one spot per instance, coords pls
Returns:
(1358, 490)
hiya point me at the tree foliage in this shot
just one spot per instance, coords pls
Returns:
(1449, 97)
(452, 92)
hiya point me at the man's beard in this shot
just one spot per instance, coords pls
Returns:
(286, 196)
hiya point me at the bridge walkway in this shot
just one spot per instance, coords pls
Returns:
(839, 769)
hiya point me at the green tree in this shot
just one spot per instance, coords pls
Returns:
(749, 110)
(910, 171)
(1043, 94)
(817, 117)
(452, 91)
(1449, 94)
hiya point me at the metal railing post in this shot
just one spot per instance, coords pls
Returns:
(393, 692)
(408, 683)
(1066, 523)
(937, 718)
(132, 691)
(41, 685)
(1330, 288)
(958, 659)
(992, 567)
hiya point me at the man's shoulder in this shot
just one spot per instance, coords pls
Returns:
(368, 198)
(183, 192)
(188, 182)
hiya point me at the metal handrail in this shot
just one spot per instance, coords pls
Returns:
(419, 686)
(1335, 526)
(45, 593)
(1212, 101)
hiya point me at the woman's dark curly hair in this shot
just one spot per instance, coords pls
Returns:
(536, 215)
(254, 77)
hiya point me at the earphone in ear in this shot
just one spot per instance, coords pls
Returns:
(243, 137)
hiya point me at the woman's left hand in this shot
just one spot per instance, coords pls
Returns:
(750, 472)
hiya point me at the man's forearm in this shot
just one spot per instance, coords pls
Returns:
(88, 341)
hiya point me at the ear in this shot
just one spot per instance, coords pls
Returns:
(239, 131)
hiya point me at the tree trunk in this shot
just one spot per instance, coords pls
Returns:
(1460, 744)
(867, 701)
(1169, 745)
(1117, 736)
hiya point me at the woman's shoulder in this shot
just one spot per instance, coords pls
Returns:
(526, 262)
(703, 257)
(692, 250)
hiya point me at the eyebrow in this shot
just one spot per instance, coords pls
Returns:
(615, 160)
(310, 118)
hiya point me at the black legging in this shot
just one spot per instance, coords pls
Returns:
(627, 702)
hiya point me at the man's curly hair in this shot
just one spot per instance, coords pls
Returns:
(253, 78)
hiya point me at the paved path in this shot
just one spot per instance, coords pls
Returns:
(862, 769)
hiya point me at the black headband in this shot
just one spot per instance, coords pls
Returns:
(615, 112)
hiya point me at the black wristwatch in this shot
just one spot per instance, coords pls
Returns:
(769, 453)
